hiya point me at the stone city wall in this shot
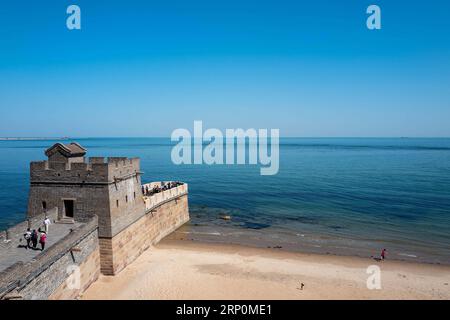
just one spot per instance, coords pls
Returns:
(126, 246)
(45, 276)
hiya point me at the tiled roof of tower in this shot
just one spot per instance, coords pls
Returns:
(75, 148)
(72, 149)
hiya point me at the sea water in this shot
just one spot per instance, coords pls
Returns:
(331, 195)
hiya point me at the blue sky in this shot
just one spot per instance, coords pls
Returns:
(145, 68)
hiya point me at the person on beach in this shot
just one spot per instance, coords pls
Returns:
(34, 238)
(42, 240)
(27, 236)
(46, 224)
(383, 254)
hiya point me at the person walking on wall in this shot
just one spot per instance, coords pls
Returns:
(27, 236)
(43, 240)
(34, 238)
(46, 224)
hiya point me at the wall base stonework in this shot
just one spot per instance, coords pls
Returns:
(89, 272)
(117, 252)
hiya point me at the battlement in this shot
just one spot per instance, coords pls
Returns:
(116, 161)
(91, 170)
(156, 199)
(123, 167)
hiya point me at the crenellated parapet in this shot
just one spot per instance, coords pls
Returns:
(157, 199)
(123, 167)
(90, 170)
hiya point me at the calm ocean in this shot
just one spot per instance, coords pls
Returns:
(337, 195)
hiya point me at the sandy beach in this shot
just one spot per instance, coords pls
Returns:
(192, 270)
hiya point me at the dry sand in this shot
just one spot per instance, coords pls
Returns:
(191, 270)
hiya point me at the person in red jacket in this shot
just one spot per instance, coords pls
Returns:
(43, 240)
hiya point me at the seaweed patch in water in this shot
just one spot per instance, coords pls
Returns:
(303, 219)
(256, 226)
(336, 227)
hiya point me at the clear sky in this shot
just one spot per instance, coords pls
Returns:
(145, 68)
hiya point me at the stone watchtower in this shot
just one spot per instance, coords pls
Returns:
(109, 188)
(128, 221)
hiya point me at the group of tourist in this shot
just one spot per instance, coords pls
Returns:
(156, 189)
(34, 236)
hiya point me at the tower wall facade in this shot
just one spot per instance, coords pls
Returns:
(110, 189)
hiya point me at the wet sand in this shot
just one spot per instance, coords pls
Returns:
(191, 270)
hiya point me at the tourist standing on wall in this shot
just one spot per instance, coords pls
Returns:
(46, 224)
(34, 238)
(42, 240)
(27, 236)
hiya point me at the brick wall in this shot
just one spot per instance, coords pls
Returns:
(88, 200)
(126, 246)
(126, 205)
(88, 272)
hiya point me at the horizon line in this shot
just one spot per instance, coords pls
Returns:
(17, 138)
